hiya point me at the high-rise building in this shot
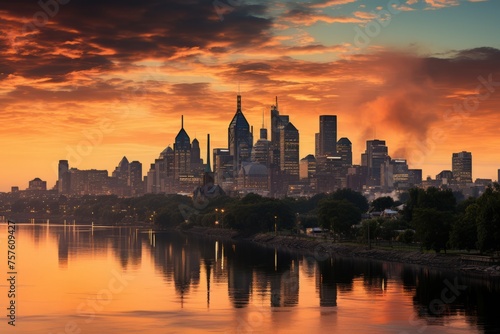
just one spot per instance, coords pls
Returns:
(63, 177)
(415, 177)
(327, 135)
(260, 152)
(376, 155)
(289, 151)
(182, 153)
(498, 177)
(316, 145)
(240, 138)
(344, 150)
(278, 122)
(461, 166)
(307, 167)
(135, 178)
(394, 174)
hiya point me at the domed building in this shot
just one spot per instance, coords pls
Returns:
(253, 177)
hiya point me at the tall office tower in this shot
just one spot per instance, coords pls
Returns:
(376, 155)
(63, 177)
(260, 152)
(278, 122)
(461, 166)
(223, 166)
(344, 150)
(240, 139)
(195, 152)
(317, 150)
(289, 151)
(498, 177)
(120, 178)
(394, 174)
(182, 153)
(135, 178)
(414, 177)
(327, 135)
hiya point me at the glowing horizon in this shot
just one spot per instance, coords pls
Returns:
(85, 73)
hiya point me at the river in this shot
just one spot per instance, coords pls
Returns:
(83, 279)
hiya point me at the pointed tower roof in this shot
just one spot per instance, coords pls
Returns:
(182, 136)
(123, 165)
(239, 121)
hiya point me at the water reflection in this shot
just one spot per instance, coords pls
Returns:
(269, 285)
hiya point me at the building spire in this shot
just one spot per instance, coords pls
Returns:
(182, 121)
(276, 102)
(238, 103)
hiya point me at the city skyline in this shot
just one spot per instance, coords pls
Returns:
(428, 91)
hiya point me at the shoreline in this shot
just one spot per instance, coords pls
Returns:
(323, 249)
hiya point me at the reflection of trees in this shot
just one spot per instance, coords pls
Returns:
(435, 299)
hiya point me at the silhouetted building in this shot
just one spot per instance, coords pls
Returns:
(182, 153)
(344, 150)
(415, 177)
(307, 167)
(63, 177)
(289, 151)
(240, 138)
(327, 135)
(376, 155)
(120, 178)
(461, 166)
(445, 176)
(260, 152)
(135, 178)
(37, 184)
(89, 182)
(223, 167)
(356, 177)
(394, 174)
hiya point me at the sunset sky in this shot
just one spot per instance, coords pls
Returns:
(91, 81)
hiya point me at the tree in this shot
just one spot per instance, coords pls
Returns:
(338, 216)
(382, 203)
(356, 198)
(464, 230)
(488, 219)
(432, 227)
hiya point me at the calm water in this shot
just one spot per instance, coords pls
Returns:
(76, 279)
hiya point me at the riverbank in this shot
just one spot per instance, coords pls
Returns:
(323, 249)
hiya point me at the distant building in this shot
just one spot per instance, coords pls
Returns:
(394, 174)
(344, 150)
(289, 152)
(415, 177)
(135, 178)
(462, 167)
(223, 167)
(63, 177)
(498, 177)
(445, 176)
(89, 182)
(307, 167)
(182, 153)
(327, 135)
(240, 138)
(14, 189)
(253, 177)
(37, 184)
(376, 155)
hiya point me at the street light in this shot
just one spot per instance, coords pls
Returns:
(275, 225)
(222, 217)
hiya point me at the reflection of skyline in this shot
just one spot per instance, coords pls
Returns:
(250, 274)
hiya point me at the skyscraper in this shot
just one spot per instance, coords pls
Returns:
(182, 152)
(289, 150)
(278, 122)
(461, 165)
(327, 135)
(135, 178)
(376, 155)
(63, 177)
(344, 150)
(240, 139)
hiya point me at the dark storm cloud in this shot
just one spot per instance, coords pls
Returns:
(131, 30)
